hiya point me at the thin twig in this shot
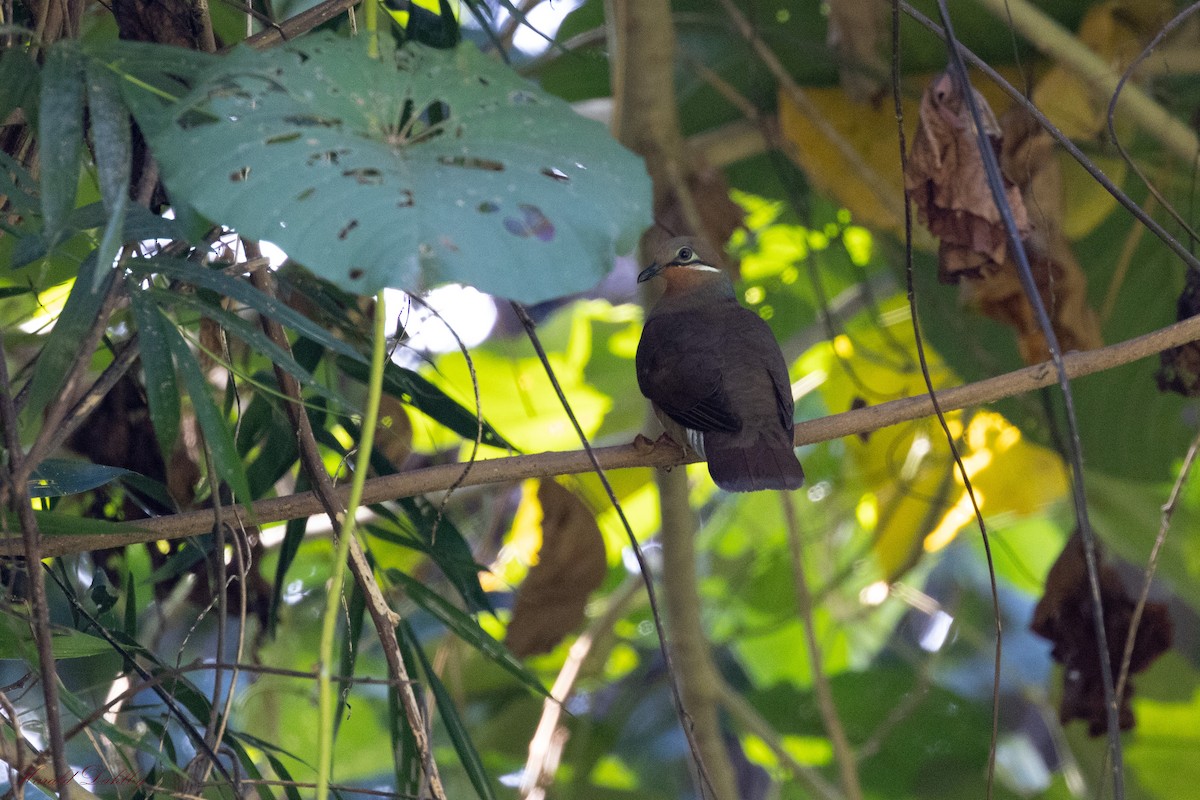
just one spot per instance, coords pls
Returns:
(941, 417)
(1044, 33)
(542, 761)
(31, 537)
(1112, 128)
(540, 465)
(333, 502)
(300, 24)
(1168, 511)
(843, 753)
(1074, 446)
(643, 566)
(746, 715)
(475, 444)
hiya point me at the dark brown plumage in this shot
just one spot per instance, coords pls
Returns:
(715, 374)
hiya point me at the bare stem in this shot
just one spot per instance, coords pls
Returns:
(31, 538)
(843, 754)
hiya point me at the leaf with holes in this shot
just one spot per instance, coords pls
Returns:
(418, 168)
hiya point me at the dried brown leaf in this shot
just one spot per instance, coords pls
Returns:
(1064, 616)
(571, 565)
(946, 177)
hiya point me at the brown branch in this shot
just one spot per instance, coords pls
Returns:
(31, 546)
(334, 504)
(688, 644)
(300, 24)
(540, 465)
(593, 644)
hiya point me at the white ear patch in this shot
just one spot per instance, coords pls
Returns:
(700, 267)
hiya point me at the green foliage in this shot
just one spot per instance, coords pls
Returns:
(425, 167)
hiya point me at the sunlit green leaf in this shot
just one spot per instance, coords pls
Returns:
(61, 348)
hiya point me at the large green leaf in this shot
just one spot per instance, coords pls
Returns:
(421, 167)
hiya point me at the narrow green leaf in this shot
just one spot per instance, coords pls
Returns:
(190, 553)
(281, 771)
(352, 635)
(148, 489)
(449, 550)
(60, 136)
(237, 289)
(253, 335)
(467, 629)
(16, 640)
(460, 737)
(56, 523)
(407, 761)
(410, 387)
(162, 389)
(248, 765)
(80, 310)
(147, 745)
(275, 440)
(215, 427)
(59, 477)
(113, 151)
